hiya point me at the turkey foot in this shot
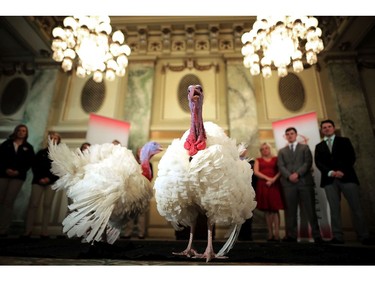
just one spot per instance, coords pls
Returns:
(209, 255)
(188, 252)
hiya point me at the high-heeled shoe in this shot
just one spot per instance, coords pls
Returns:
(272, 239)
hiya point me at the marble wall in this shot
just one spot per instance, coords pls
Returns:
(242, 109)
(138, 103)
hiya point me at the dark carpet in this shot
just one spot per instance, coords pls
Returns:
(73, 252)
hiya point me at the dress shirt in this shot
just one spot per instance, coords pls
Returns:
(294, 145)
(332, 138)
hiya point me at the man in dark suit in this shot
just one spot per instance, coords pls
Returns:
(335, 158)
(294, 162)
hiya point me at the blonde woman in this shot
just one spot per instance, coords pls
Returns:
(268, 190)
(43, 178)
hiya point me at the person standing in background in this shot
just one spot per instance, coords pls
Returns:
(295, 162)
(335, 158)
(43, 179)
(268, 191)
(16, 156)
(84, 146)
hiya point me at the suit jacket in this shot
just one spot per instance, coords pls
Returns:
(342, 158)
(299, 161)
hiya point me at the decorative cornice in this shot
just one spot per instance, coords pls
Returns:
(172, 36)
(190, 64)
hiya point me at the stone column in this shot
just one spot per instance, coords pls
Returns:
(138, 103)
(345, 84)
(242, 109)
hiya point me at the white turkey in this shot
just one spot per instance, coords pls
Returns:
(107, 187)
(202, 173)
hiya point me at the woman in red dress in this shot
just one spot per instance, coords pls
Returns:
(268, 190)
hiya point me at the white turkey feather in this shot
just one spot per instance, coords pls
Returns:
(234, 232)
(215, 181)
(106, 186)
(203, 173)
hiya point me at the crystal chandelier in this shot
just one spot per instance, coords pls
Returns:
(279, 42)
(86, 42)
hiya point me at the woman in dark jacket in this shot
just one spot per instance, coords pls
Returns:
(41, 186)
(16, 156)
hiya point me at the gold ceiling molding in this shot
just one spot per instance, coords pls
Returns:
(157, 35)
(152, 37)
(190, 64)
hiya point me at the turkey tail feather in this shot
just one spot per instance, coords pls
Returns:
(230, 241)
(62, 159)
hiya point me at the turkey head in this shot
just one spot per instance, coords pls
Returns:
(196, 139)
(148, 150)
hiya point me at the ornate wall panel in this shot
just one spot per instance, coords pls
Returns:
(77, 98)
(271, 106)
(14, 94)
(168, 115)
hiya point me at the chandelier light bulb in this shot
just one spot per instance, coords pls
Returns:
(281, 42)
(70, 22)
(86, 44)
(110, 75)
(118, 36)
(58, 56)
(121, 72)
(297, 66)
(98, 76)
(67, 64)
(266, 71)
(81, 72)
(58, 32)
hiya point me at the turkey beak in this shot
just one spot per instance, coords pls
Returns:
(195, 93)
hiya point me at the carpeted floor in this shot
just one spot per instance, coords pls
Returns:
(14, 251)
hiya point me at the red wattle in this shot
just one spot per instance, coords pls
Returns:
(193, 150)
(146, 170)
(187, 145)
(201, 145)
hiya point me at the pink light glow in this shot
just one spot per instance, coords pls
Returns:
(104, 130)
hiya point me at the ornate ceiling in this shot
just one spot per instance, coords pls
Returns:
(26, 40)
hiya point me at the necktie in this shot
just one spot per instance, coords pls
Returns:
(291, 148)
(329, 143)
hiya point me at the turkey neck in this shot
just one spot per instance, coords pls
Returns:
(196, 139)
(146, 169)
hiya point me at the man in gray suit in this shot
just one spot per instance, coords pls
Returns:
(295, 162)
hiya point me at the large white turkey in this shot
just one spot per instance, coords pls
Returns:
(107, 187)
(202, 173)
